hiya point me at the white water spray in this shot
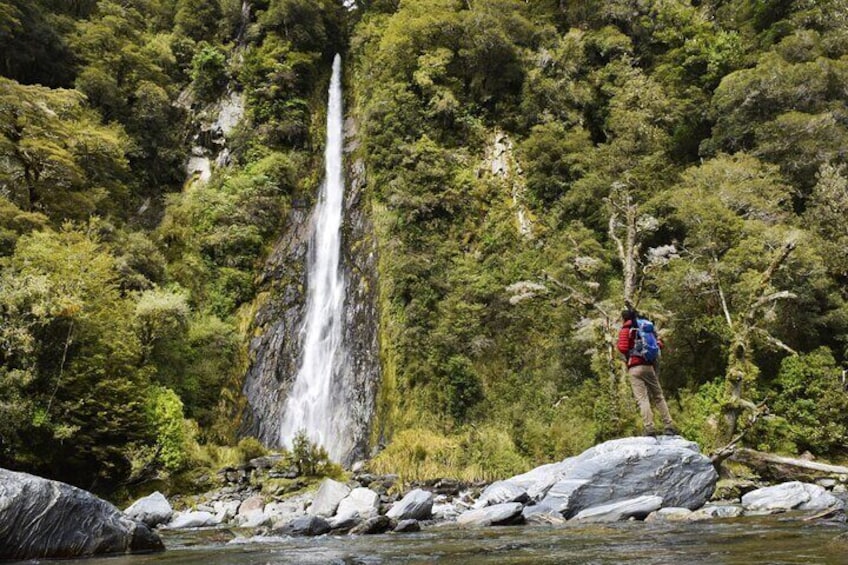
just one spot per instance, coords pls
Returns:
(314, 403)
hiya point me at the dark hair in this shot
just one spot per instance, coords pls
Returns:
(628, 314)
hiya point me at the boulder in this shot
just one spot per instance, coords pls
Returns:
(537, 481)
(328, 497)
(251, 505)
(407, 527)
(254, 519)
(496, 515)
(710, 512)
(375, 525)
(362, 501)
(793, 495)
(416, 505)
(344, 524)
(40, 518)
(638, 508)
(153, 509)
(304, 526)
(266, 461)
(445, 510)
(500, 492)
(225, 510)
(669, 467)
(669, 514)
(542, 514)
(184, 520)
(286, 510)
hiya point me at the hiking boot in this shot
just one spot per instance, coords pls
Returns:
(671, 431)
(650, 432)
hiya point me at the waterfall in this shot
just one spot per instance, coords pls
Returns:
(315, 403)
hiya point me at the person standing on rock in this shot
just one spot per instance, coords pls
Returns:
(642, 372)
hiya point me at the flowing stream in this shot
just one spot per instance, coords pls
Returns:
(742, 541)
(314, 404)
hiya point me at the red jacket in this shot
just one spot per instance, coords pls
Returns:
(626, 337)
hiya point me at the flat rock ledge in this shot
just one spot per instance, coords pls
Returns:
(40, 518)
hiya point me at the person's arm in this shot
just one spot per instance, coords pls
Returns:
(624, 341)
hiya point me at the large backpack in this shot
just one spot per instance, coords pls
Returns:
(645, 343)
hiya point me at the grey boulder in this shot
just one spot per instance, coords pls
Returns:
(196, 519)
(328, 497)
(638, 507)
(495, 515)
(500, 492)
(153, 509)
(304, 526)
(416, 505)
(40, 518)
(628, 468)
(375, 525)
(408, 527)
(343, 524)
(670, 514)
(711, 512)
(542, 514)
(793, 495)
(362, 501)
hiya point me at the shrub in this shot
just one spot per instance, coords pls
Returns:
(311, 459)
(165, 417)
(250, 448)
(208, 72)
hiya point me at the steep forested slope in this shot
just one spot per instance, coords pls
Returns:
(673, 154)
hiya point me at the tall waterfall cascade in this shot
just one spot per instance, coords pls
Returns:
(316, 402)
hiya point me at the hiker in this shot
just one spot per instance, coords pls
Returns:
(640, 347)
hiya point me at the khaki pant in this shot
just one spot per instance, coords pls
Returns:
(646, 389)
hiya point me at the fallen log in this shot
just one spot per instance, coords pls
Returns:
(779, 468)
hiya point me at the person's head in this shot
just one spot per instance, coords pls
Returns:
(628, 314)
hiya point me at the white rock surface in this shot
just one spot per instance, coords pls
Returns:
(286, 510)
(250, 505)
(362, 501)
(793, 495)
(153, 509)
(225, 510)
(638, 507)
(184, 520)
(716, 511)
(500, 492)
(669, 514)
(415, 505)
(491, 515)
(328, 497)
(254, 519)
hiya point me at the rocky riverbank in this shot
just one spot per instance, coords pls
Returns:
(654, 479)
(638, 478)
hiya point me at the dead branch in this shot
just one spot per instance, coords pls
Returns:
(758, 410)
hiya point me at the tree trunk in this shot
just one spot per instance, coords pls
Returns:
(779, 468)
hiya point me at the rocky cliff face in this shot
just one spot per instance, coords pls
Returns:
(276, 348)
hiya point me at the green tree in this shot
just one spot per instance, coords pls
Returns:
(69, 349)
(57, 157)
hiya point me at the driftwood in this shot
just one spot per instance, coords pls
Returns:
(780, 468)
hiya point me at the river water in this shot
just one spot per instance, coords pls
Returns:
(743, 541)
